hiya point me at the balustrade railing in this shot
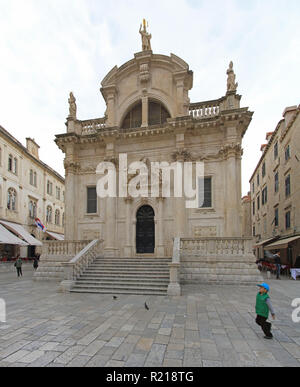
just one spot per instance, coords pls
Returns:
(91, 126)
(62, 248)
(216, 246)
(75, 267)
(203, 110)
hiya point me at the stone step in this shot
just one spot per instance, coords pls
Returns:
(125, 276)
(115, 287)
(126, 281)
(120, 292)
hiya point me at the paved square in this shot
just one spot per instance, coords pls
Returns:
(209, 326)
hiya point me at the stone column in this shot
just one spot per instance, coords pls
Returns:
(71, 168)
(233, 205)
(160, 228)
(110, 242)
(110, 249)
(128, 245)
(144, 112)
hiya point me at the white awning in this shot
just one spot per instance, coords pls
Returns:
(8, 238)
(20, 230)
(59, 237)
(264, 242)
(281, 244)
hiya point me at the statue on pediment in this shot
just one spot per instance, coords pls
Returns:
(146, 38)
(72, 106)
(231, 84)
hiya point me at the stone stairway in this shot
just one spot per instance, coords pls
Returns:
(146, 276)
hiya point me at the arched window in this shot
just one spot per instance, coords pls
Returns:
(12, 199)
(133, 118)
(32, 209)
(57, 217)
(157, 114)
(49, 214)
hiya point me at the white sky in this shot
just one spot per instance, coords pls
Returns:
(51, 47)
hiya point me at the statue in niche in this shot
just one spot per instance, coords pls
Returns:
(231, 84)
(146, 38)
(72, 106)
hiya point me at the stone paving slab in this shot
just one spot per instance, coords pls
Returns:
(208, 326)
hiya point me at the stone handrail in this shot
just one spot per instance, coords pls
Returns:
(91, 126)
(216, 246)
(62, 248)
(75, 267)
(201, 110)
(174, 288)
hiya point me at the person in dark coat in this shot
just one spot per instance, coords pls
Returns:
(278, 265)
(18, 266)
(35, 263)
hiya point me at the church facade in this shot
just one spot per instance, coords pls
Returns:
(150, 119)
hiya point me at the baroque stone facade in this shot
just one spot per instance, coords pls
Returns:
(29, 189)
(150, 117)
(275, 189)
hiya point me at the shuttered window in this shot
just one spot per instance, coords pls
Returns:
(91, 200)
(207, 194)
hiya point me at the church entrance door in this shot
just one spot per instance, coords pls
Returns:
(145, 230)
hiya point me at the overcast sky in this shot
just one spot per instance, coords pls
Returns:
(51, 47)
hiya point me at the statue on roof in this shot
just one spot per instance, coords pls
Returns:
(146, 38)
(231, 84)
(72, 106)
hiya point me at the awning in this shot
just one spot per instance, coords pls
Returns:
(8, 238)
(281, 244)
(21, 232)
(264, 242)
(59, 237)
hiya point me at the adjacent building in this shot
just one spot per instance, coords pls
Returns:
(29, 190)
(275, 190)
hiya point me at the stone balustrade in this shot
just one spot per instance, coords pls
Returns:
(219, 260)
(62, 248)
(216, 246)
(54, 254)
(91, 126)
(201, 110)
(76, 266)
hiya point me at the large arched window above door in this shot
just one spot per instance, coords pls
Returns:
(158, 114)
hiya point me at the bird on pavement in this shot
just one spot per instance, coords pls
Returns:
(146, 306)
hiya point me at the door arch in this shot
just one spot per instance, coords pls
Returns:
(145, 230)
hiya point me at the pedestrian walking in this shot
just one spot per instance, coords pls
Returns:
(263, 307)
(18, 266)
(278, 265)
(35, 263)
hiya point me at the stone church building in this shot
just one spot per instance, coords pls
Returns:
(150, 118)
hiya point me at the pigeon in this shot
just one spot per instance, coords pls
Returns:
(146, 306)
(115, 298)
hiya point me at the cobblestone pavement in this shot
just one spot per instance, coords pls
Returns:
(209, 326)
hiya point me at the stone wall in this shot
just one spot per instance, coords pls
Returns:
(218, 260)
